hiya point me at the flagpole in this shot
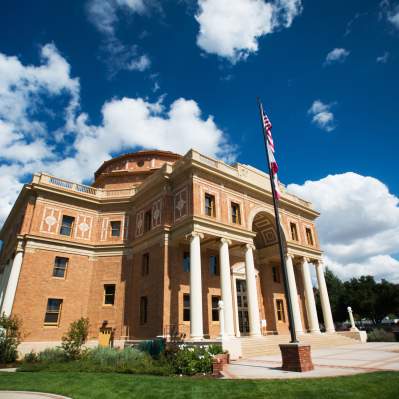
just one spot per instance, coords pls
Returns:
(279, 236)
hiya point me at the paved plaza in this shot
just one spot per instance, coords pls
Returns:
(28, 395)
(339, 361)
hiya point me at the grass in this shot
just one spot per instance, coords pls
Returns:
(112, 386)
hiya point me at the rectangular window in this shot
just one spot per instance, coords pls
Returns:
(294, 232)
(186, 307)
(67, 225)
(235, 213)
(145, 264)
(115, 228)
(186, 262)
(210, 205)
(109, 294)
(215, 308)
(60, 265)
(280, 310)
(276, 274)
(147, 220)
(143, 309)
(53, 311)
(309, 236)
(214, 265)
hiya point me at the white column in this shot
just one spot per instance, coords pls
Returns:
(352, 320)
(294, 295)
(221, 319)
(309, 297)
(196, 323)
(12, 284)
(252, 293)
(324, 299)
(225, 285)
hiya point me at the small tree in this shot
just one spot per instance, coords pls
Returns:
(10, 338)
(74, 339)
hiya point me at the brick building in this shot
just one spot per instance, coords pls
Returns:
(152, 246)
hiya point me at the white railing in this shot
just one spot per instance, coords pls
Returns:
(43, 178)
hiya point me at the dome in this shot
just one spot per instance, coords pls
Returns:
(130, 170)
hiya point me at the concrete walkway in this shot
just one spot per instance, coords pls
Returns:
(28, 395)
(331, 362)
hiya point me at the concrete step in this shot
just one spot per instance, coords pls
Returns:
(269, 345)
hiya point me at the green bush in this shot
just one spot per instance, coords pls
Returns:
(128, 360)
(74, 339)
(10, 337)
(154, 347)
(190, 360)
(380, 335)
(51, 355)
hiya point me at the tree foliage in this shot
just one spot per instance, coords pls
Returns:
(369, 299)
(74, 339)
(10, 337)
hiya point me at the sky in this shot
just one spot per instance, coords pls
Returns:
(83, 81)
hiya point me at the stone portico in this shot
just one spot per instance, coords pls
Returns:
(152, 246)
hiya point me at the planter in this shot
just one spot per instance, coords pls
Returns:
(218, 364)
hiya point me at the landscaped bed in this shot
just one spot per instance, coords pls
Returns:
(112, 385)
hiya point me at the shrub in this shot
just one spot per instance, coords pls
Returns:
(192, 360)
(154, 347)
(31, 357)
(51, 355)
(380, 335)
(10, 337)
(74, 339)
(128, 360)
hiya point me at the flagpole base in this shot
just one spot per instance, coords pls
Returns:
(296, 357)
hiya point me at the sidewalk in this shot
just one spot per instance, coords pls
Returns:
(331, 362)
(28, 395)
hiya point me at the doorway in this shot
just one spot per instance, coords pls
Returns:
(242, 306)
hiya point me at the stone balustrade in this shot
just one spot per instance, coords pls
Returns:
(48, 180)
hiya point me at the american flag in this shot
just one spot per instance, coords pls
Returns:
(267, 129)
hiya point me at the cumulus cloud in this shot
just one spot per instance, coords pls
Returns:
(390, 11)
(358, 226)
(232, 29)
(322, 116)
(383, 59)
(28, 97)
(336, 55)
(105, 15)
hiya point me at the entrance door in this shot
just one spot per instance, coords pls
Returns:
(242, 306)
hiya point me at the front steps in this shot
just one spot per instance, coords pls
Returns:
(269, 345)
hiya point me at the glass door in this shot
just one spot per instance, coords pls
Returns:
(242, 306)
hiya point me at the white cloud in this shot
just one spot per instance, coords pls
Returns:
(231, 29)
(336, 55)
(28, 145)
(322, 115)
(105, 15)
(390, 11)
(140, 64)
(358, 226)
(383, 59)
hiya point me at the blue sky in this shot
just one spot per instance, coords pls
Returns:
(90, 79)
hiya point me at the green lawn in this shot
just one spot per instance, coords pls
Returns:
(111, 386)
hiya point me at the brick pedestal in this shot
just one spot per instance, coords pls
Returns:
(296, 357)
(218, 363)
